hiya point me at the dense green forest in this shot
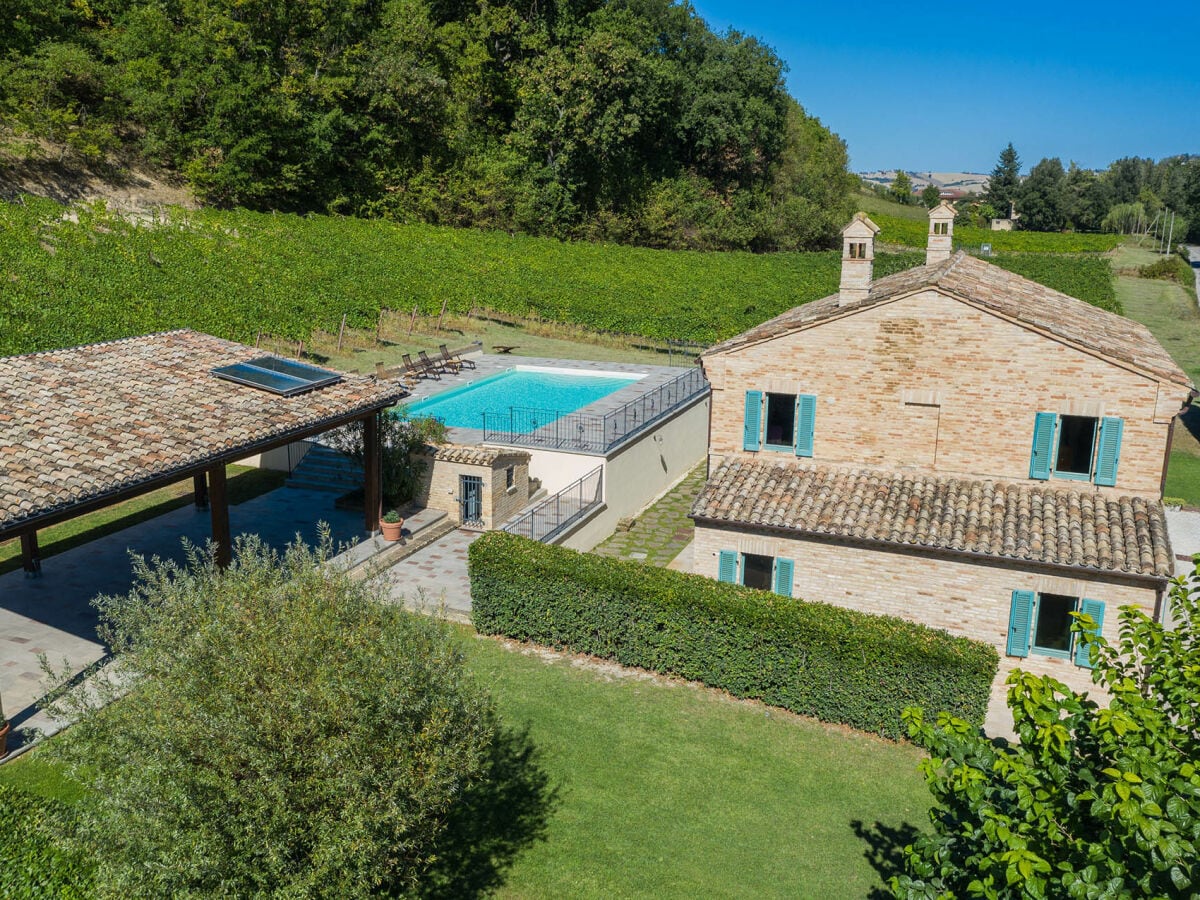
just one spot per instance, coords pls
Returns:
(93, 275)
(619, 120)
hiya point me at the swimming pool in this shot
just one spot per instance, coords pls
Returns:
(560, 391)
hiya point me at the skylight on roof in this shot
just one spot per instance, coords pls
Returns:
(284, 377)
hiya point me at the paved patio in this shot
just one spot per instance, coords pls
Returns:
(53, 614)
(663, 532)
(435, 577)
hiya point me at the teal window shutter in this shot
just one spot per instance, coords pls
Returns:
(1095, 609)
(727, 567)
(1043, 445)
(752, 426)
(1020, 617)
(783, 576)
(806, 419)
(1109, 453)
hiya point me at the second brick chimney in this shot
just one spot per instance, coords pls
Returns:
(858, 255)
(941, 234)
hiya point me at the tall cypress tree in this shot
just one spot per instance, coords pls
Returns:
(1004, 181)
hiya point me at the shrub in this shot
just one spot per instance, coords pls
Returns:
(31, 866)
(1095, 801)
(812, 658)
(287, 734)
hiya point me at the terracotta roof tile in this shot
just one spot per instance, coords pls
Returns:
(1004, 292)
(83, 422)
(475, 456)
(1024, 522)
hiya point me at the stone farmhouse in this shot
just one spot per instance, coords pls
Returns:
(953, 444)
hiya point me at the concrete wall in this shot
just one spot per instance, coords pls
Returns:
(278, 459)
(645, 469)
(966, 598)
(931, 383)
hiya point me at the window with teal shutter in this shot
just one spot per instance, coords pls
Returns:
(783, 576)
(806, 419)
(1109, 453)
(1043, 445)
(1020, 617)
(727, 567)
(1095, 609)
(752, 424)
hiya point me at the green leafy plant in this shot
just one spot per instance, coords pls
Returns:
(1096, 800)
(401, 440)
(392, 517)
(32, 866)
(812, 658)
(275, 730)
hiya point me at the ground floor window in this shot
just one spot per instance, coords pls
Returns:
(767, 573)
(1041, 624)
(758, 571)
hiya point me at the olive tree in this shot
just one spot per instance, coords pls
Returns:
(277, 730)
(1095, 801)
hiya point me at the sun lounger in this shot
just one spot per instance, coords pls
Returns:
(455, 360)
(435, 366)
(420, 369)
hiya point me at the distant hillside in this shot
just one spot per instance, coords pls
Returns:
(968, 182)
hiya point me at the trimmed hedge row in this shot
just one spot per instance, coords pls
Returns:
(812, 658)
(31, 866)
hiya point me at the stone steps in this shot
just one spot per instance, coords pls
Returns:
(323, 469)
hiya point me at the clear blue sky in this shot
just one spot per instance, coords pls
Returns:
(944, 87)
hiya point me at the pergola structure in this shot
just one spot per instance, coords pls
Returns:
(86, 427)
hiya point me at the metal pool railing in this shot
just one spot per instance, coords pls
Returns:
(555, 514)
(529, 427)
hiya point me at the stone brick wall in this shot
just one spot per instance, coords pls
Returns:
(929, 382)
(966, 598)
(440, 488)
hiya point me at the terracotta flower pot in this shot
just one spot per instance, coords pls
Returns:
(392, 531)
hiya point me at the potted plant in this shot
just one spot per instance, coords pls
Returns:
(392, 525)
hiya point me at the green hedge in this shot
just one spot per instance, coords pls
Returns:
(30, 865)
(812, 658)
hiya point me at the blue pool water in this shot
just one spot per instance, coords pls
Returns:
(541, 389)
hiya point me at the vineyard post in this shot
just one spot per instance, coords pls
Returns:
(341, 332)
(299, 349)
(412, 323)
(379, 328)
(445, 300)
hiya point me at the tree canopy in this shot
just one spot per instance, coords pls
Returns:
(277, 730)
(1004, 181)
(1096, 801)
(627, 120)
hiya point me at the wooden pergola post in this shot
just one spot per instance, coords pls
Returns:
(31, 562)
(219, 510)
(372, 475)
(200, 490)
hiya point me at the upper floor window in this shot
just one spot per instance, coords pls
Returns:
(510, 478)
(779, 422)
(1083, 448)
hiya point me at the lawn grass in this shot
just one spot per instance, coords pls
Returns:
(872, 203)
(244, 483)
(668, 790)
(1183, 476)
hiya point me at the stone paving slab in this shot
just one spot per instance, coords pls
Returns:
(53, 614)
(435, 576)
(660, 533)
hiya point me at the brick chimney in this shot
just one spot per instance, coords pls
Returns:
(941, 234)
(858, 255)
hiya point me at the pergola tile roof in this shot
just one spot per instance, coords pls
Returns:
(84, 422)
(1000, 291)
(474, 456)
(1028, 523)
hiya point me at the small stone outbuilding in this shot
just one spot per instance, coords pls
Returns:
(477, 487)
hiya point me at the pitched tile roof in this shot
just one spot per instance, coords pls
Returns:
(1023, 522)
(1004, 292)
(80, 423)
(473, 456)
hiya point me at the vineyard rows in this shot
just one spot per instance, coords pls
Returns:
(236, 273)
(914, 233)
